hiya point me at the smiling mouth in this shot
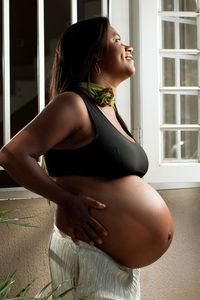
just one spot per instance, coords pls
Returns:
(129, 57)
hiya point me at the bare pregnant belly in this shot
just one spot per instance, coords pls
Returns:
(139, 224)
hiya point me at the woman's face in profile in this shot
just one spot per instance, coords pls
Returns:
(117, 59)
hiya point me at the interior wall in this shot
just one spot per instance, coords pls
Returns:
(175, 276)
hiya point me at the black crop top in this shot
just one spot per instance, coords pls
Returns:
(110, 154)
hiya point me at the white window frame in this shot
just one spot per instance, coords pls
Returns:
(160, 174)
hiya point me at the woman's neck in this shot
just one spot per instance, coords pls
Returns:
(105, 82)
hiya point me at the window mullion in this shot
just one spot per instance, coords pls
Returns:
(198, 5)
(180, 126)
(179, 14)
(198, 46)
(176, 5)
(178, 132)
(177, 71)
(178, 109)
(180, 51)
(178, 144)
(179, 88)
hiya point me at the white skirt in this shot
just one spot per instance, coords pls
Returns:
(91, 270)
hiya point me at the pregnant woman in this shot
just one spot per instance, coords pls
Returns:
(108, 221)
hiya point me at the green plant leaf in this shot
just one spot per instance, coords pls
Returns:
(25, 289)
(64, 293)
(50, 293)
(5, 212)
(22, 298)
(10, 221)
(7, 293)
(39, 294)
(87, 295)
(15, 221)
(6, 284)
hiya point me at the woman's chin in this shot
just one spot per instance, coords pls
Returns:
(130, 72)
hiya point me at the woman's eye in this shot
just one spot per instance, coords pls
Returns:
(117, 40)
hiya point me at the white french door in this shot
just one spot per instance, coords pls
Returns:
(170, 90)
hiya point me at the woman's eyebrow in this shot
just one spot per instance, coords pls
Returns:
(116, 34)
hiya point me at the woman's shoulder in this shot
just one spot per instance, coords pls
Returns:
(68, 100)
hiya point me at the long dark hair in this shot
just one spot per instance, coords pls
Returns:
(77, 51)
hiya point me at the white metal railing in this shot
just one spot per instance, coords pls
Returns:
(6, 70)
(73, 11)
(40, 57)
(104, 8)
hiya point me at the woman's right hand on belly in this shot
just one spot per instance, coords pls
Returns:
(78, 222)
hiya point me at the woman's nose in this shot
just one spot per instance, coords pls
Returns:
(129, 49)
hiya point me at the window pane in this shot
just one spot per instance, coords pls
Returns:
(23, 52)
(59, 10)
(167, 4)
(187, 5)
(170, 144)
(189, 144)
(168, 71)
(169, 109)
(188, 69)
(1, 87)
(189, 109)
(188, 36)
(168, 35)
(89, 9)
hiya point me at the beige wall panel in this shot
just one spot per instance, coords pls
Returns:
(175, 276)
(25, 249)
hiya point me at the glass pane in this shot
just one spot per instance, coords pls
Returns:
(168, 35)
(61, 11)
(170, 144)
(188, 36)
(187, 5)
(169, 109)
(1, 87)
(23, 53)
(168, 71)
(188, 69)
(167, 4)
(189, 109)
(89, 9)
(189, 144)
